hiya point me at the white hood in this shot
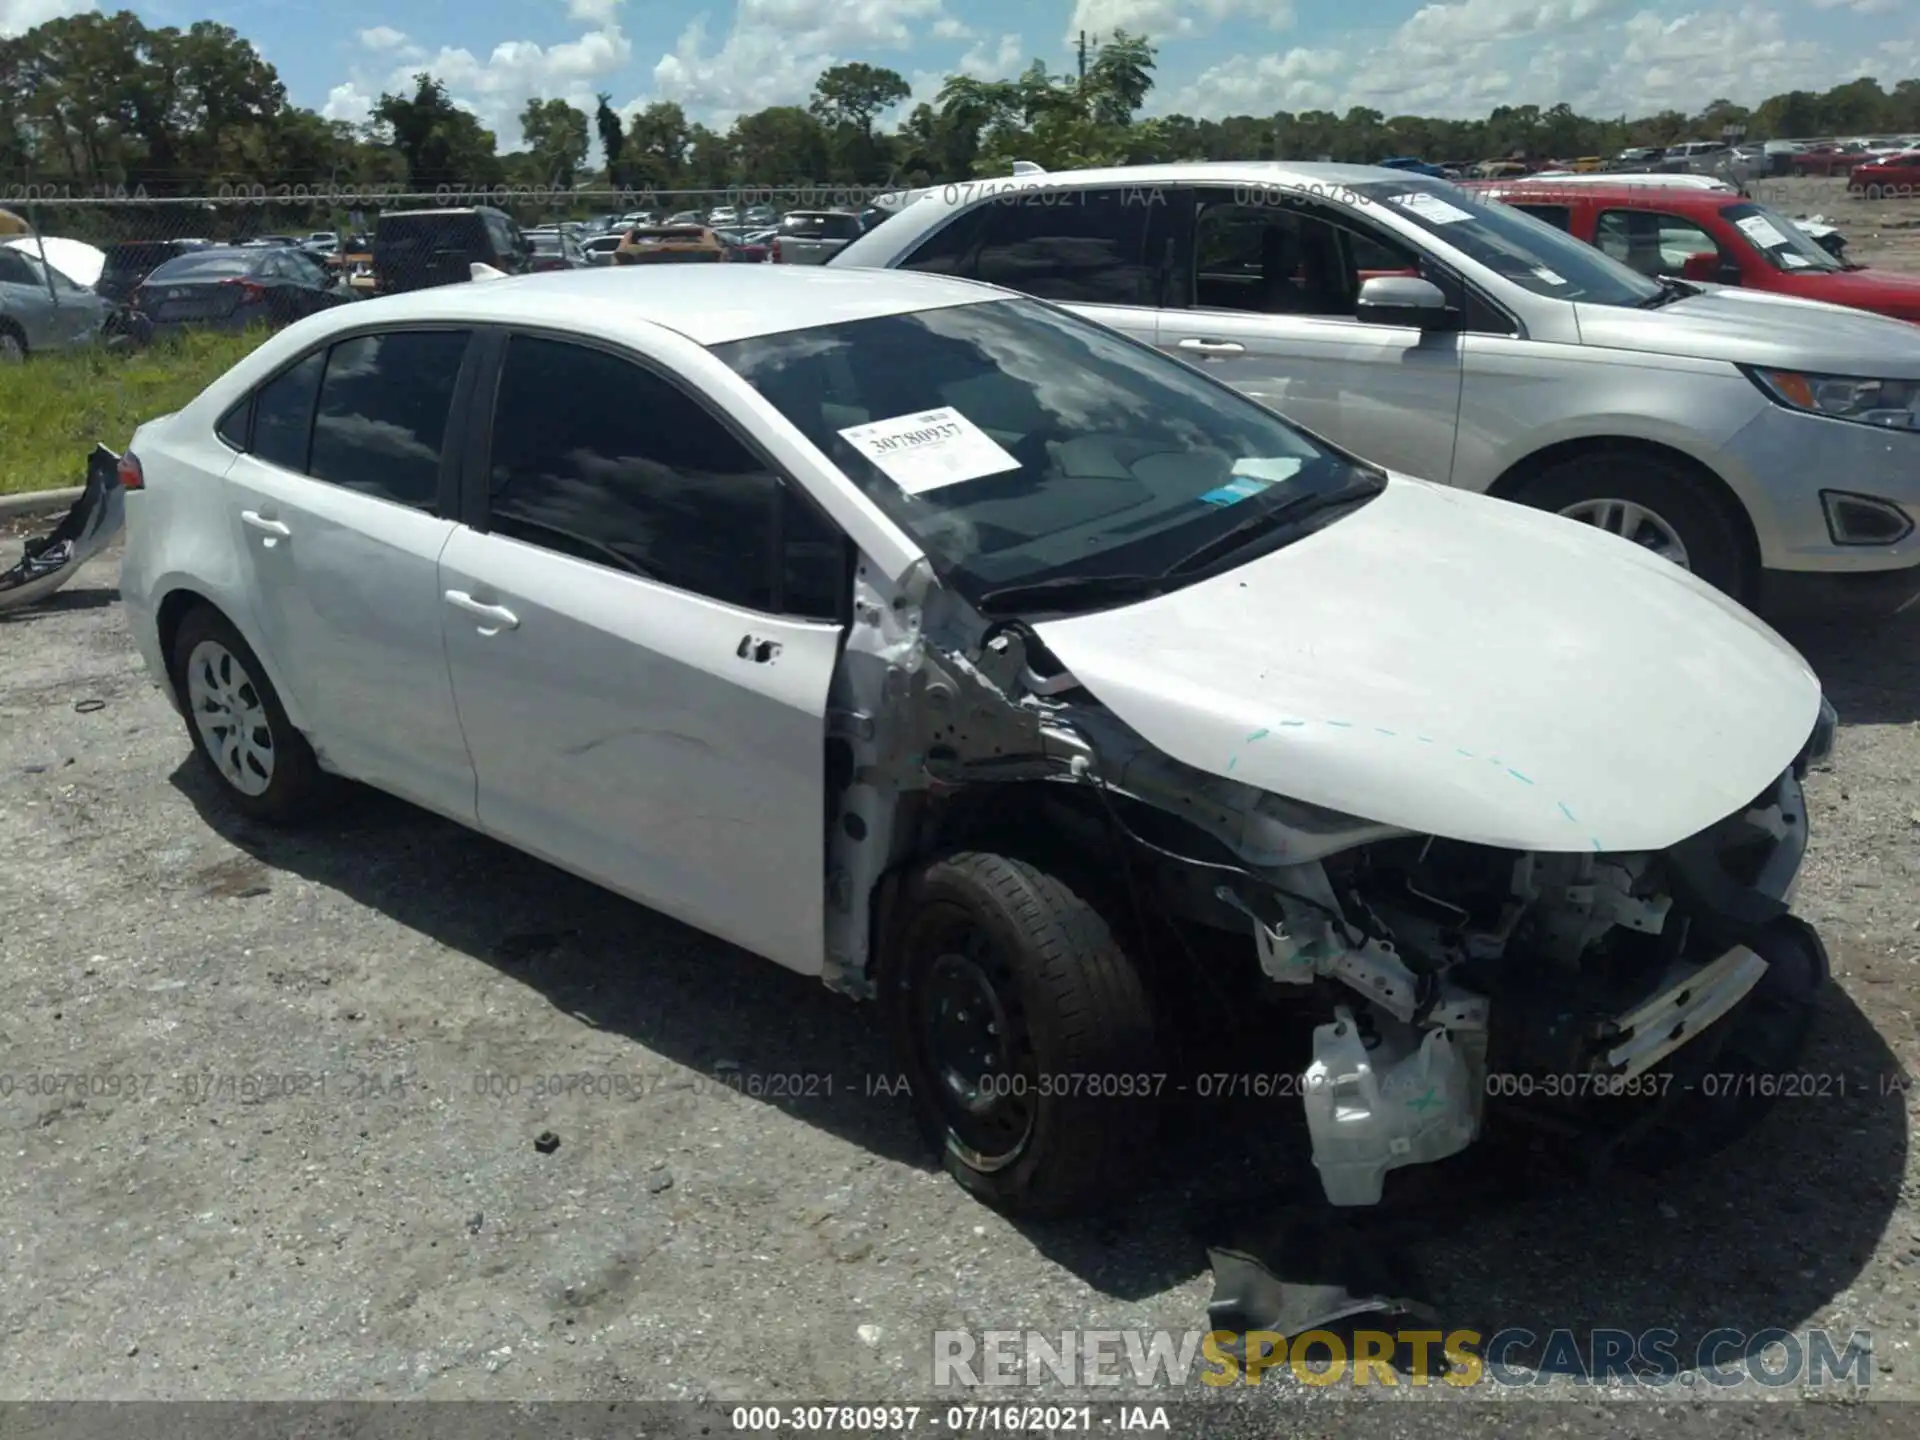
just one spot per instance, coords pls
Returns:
(1463, 667)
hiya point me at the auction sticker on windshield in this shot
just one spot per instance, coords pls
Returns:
(1761, 231)
(1431, 207)
(927, 450)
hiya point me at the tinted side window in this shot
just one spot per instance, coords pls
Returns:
(383, 414)
(597, 458)
(14, 269)
(947, 250)
(1088, 246)
(283, 414)
(1558, 216)
(232, 429)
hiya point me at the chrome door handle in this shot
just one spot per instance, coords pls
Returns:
(502, 618)
(1213, 347)
(265, 526)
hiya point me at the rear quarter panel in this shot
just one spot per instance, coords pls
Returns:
(180, 538)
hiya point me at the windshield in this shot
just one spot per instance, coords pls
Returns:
(1783, 244)
(1019, 444)
(218, 264)
(1527, 252)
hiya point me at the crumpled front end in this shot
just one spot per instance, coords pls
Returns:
(1576, 992)
(1450, 983)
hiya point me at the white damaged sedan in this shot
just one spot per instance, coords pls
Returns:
(988, 664)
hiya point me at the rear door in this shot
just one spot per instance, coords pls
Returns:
(1100, 252)
(341, 505)
(641, 628)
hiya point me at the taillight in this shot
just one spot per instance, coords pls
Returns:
(250, 292)
(132, 477)
(774, 255)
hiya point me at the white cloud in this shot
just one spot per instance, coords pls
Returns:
(495, 90)
(593, 12)
(1006, 58)
(1298, 79)
(948, 28)
(776, 49)
(383, 37)
(346, 101)
(19, 16)
(1462, 58)
(1165, 19)
(1859, 7)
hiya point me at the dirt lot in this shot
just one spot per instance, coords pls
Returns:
(1879, 232)
(290, 1152)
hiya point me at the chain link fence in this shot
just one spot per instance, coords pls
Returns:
(238, 213)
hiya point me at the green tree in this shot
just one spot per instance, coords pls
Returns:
(613, 137)
(556, 136)
(659, 140)
(441, 144)
(1118, 79)
(783, 145)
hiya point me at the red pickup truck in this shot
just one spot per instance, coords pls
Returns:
(1716, 236)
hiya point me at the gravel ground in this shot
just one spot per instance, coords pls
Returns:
(299, 1159)
(400, 1234)
(1879, 232)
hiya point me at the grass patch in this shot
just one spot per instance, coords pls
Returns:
(54, 407)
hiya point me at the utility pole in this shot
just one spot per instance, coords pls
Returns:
(1083, 57)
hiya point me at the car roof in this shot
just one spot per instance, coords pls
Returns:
(709, 305)
(1664, 197)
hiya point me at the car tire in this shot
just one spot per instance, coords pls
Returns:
(266, 769)
(13, 344)
(1672, 500)
(1071, 1022)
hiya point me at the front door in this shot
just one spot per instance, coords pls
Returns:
(640, 667)
(1264, 299)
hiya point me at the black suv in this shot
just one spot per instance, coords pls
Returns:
(417, 249)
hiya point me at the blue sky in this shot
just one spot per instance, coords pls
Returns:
(1217, 57)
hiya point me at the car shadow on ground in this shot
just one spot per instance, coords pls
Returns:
(1761, 1236)
(1871, 670)
(62, 602)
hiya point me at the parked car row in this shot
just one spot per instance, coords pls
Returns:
(1085, 679)
(1768, 443)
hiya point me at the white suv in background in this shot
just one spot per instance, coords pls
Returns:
(1771, 445)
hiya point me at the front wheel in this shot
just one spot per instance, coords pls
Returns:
(1026, 1034)
(1653, 503)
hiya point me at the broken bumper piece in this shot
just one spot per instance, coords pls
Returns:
(49, 561)
(1698, 998)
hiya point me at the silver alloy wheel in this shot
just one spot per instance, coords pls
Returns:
(12, 352)
(230, 716)
(1632, 522)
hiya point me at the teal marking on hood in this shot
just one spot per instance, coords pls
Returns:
(1568, 813)
(1258, 735)
(1341, 724)
(1518, 776)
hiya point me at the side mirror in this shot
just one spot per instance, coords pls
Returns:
(1407, 301)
